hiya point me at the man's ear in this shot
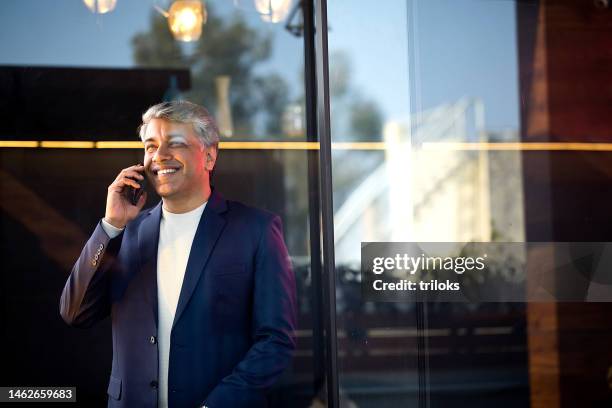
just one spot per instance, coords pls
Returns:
(211, 158)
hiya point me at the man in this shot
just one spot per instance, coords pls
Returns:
(199, 289)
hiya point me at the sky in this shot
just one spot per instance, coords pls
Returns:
(461, 47)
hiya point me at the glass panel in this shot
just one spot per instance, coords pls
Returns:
(71, 75)
(411, 83)
(246, 69)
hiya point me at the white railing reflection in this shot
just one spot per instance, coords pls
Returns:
(427, 195)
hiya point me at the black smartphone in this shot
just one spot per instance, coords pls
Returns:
(133, 194)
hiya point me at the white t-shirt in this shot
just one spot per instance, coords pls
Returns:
(176, 233)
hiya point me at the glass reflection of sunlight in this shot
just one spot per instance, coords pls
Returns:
(185, 19)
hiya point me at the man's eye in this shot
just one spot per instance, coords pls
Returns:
(150, 148)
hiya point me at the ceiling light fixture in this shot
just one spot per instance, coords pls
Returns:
(100, 6)
(185, 19)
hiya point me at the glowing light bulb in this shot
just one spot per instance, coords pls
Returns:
(273, 11)
(186, 18)
(100, 6)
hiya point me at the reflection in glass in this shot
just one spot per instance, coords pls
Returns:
(273, 11)
(185, 19)
(224, 113)
(100, 6)
(236, 45)
(413, 84)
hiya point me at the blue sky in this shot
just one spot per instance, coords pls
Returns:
(464, 48)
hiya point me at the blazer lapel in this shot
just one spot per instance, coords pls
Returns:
(148, 239)
(209, 229)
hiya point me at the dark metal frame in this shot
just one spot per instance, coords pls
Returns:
(314, 208)
(316, 76)
(327, 213)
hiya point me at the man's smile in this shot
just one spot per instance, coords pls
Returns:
(165, 170)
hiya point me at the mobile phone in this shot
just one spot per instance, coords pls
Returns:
(133, 194)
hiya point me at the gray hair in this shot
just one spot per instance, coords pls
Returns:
(184, 112)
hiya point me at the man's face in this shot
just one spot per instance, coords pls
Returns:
(175, 160)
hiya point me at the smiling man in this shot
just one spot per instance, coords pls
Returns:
(199, 289)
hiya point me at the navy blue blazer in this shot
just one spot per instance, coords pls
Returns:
(233, 333)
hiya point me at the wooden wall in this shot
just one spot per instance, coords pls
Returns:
(565, 53)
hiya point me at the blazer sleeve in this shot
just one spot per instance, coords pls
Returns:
(85, 298)
(274, 322)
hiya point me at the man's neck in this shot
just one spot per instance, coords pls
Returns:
(182, 205)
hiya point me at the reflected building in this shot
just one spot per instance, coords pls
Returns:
(430, 186)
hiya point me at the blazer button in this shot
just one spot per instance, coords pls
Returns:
(101, 247)
(94, 262)
(152, 340)
(153, 384)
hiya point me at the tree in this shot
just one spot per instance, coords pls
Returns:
(227, 47)
(366, 121)
(357, 118)
(157, 48)
(273, 95)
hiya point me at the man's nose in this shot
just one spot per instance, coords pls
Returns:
(162, 153)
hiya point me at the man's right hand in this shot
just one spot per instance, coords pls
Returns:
(119, 209)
